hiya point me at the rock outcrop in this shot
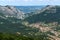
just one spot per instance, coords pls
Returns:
(11, 11)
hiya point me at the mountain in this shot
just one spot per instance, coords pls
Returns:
(47, 20)
(11, 11)
(47, 14)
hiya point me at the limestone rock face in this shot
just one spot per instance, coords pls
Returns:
(11, 11)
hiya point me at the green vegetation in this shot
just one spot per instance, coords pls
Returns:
(5, 36)
(46, 16)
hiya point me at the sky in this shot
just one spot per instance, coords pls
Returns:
(29, 2)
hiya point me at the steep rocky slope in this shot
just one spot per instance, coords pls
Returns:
(11, 11)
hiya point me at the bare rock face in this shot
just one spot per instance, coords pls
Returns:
(11, 11)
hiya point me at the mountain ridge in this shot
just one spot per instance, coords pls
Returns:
(47, 14)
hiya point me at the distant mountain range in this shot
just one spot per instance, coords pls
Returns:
(28, 9)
